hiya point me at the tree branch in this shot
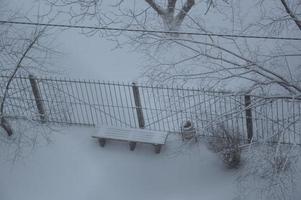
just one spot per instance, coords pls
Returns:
(183, 12)
(291, 14)
(171, 6)
(3, 122)
(156, 7)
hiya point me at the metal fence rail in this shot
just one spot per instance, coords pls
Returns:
(157, 108)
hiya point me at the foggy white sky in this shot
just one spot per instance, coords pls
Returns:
(95, 58)
(87, 57)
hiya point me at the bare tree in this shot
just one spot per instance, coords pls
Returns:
(23, 51)
(260, 65)
(170, 20)
(4, 123)
(256, 64)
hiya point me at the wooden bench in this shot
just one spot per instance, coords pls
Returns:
(131, 135)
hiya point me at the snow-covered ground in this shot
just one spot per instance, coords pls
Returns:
(75, 167)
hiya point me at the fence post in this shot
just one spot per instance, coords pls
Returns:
(37, 97)
(249, 118)
(138, 106)
(138, 110)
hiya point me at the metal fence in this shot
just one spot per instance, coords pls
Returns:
(157, 108)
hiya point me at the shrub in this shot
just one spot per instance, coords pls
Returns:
(273, 167)
(226, 145)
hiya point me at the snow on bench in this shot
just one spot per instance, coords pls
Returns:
(131, 135)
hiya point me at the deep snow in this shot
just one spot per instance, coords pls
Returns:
(75, 167)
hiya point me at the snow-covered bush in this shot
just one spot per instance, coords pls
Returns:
(270, 172)
(226, 143)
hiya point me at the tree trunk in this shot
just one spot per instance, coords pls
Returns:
(6, 126)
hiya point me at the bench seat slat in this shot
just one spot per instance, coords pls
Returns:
(130, 134)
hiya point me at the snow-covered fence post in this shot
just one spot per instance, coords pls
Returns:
(249, 118)
(138, 105)
(37, 97)
(139, 111)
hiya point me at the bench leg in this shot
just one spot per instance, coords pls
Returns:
(132, 146)
(182, 135)
(157, 148)
(102, 142)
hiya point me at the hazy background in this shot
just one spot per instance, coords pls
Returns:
(95, 58)
(80, 56)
